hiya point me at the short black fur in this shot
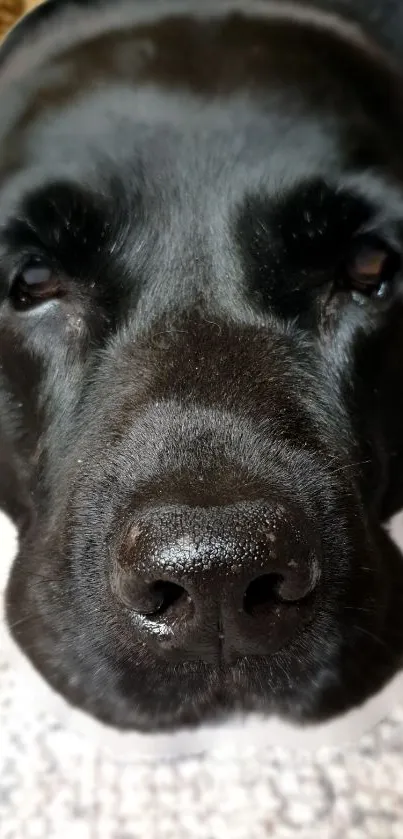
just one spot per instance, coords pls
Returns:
(207, 350)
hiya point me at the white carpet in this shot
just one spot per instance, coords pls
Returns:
(56, 784)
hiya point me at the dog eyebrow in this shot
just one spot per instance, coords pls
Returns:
(287, 243)
(316, 221)
(67, 223)
(307, 225)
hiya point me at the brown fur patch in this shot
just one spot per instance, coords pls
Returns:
(11, 10)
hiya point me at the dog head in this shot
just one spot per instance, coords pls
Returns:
(201, 328)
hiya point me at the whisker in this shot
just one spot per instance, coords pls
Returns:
(371, 635)
(350, 466)
(21, 621)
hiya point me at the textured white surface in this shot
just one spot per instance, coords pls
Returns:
(54, 783)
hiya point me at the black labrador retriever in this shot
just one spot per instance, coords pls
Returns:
(201, 347)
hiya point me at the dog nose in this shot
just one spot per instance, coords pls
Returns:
(219, 582)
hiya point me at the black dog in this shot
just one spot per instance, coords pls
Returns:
(201, 405)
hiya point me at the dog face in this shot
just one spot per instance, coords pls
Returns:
(201, 309)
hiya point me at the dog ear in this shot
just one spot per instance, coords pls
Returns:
(380, 400)
(20, 449)
(14, 497)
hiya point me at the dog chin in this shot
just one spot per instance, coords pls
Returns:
(238, 733)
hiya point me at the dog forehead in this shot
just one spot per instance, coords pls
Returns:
(208, 89)
(148, 130)
(194, 59)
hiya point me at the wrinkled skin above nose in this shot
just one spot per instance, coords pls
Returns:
(232, 581)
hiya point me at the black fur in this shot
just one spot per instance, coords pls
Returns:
(197, 183)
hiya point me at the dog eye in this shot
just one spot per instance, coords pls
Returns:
(372, 266)
(35, 284)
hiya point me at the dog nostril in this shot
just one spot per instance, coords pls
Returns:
(166, 595)
(159, 597)
(149, 599)
(261, 593)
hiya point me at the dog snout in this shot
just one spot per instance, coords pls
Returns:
(200, 583)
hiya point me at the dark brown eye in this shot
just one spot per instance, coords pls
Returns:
(34, 285)
(372, 266)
